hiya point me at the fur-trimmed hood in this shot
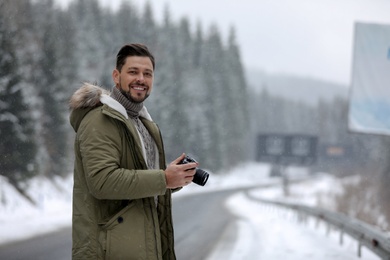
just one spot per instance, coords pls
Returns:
(90, 96)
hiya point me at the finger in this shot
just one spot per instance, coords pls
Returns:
(188, 178)
(190, 171)
(188, 167)
(178, 159)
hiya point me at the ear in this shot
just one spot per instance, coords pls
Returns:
(115, 76)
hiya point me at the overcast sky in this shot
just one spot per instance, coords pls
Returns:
(312, 38)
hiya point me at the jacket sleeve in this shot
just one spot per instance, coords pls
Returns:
(100, 144)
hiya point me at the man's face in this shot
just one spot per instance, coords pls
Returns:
(135, 80)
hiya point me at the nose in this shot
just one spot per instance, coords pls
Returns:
(140, 77)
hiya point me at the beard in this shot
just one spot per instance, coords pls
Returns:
(128, 95)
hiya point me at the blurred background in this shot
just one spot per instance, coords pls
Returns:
(226, 73)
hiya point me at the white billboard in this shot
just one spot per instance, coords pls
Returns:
(369, 106)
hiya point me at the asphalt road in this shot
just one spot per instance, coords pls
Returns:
(53, 246)
(199, 222)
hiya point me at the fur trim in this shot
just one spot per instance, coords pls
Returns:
(87, 96)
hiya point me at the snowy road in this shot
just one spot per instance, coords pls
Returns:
(223, 225)
(199, 223)
(218, 222)
(266, 232)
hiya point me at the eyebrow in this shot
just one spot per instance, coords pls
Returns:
(137, 68)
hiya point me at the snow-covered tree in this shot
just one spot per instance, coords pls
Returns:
(17, 143)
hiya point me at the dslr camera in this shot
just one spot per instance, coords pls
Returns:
(201, 176)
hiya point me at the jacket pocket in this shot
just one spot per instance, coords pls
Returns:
(125, 234)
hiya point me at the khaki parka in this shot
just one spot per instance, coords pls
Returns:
(115, 215)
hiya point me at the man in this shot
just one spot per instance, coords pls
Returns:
(122, 187)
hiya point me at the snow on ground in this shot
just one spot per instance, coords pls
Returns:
(263, 232)
(272, 233)
(19, 219)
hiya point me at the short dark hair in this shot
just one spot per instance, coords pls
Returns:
(133, 49)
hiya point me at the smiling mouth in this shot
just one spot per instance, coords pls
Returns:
(139, 88)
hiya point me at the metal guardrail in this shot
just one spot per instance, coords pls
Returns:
(366, 235)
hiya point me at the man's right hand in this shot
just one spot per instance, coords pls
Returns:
(179, 175)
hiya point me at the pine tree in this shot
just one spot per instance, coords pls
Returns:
(148, 28)
(53, 71)
(17, 146)
(236, 104)
(199, 120)
(212, 65)
(90, 51)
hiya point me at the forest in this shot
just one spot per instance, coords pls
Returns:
(201, 99)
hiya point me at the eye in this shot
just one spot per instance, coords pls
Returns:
(148, 74)
(132, 72)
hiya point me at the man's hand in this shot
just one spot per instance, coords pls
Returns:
(179, 175)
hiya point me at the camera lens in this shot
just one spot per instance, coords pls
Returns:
(200, 177)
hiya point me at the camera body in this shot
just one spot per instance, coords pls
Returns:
(201, 176)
